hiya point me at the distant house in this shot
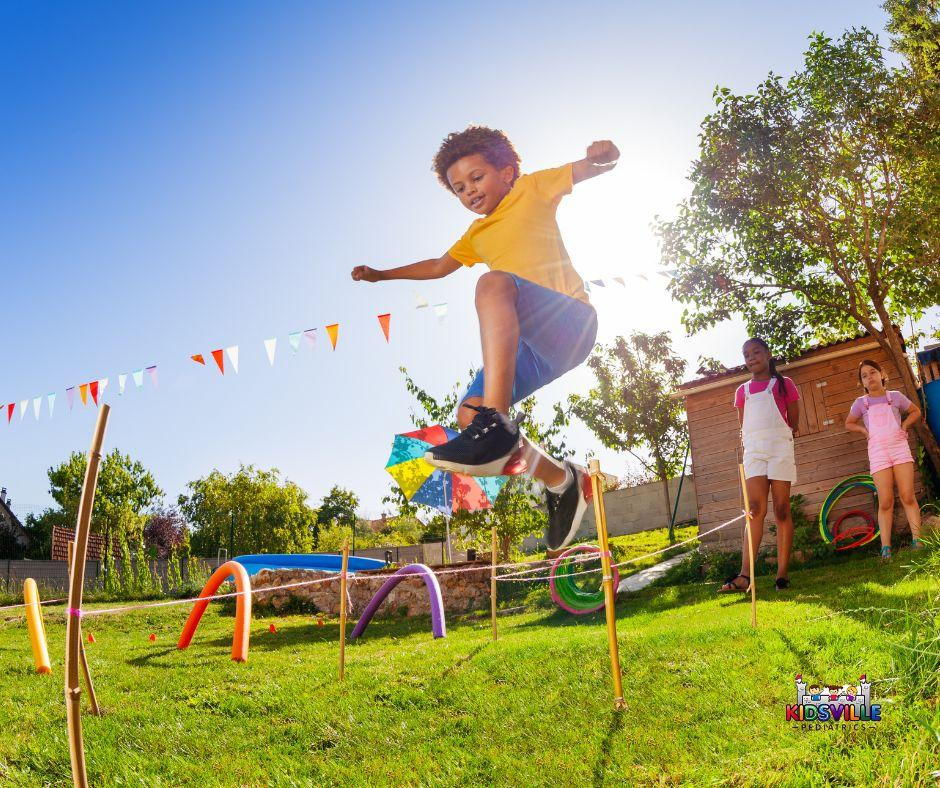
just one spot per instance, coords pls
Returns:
(13, 536)
(825, 452)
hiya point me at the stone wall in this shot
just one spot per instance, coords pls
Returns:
(461, 591)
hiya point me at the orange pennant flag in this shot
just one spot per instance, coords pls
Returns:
(333, 331)
(219, 356)
(198, 358)
(83, 392)
(384, 321)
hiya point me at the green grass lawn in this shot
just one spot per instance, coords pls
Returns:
(705, 694)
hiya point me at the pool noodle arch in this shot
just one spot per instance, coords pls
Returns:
(242, 609)
(438, 625)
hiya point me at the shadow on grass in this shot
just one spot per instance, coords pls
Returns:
(603, 756)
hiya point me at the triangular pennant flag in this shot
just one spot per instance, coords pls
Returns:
(333, 331)
(93, 389)
(122, 381)
(233, 356)
(598, 282)
(384, 321)
(311, 336)
(440, 310)
(10, 408)
(152, 371)
(50, 399)
(83, 392)
(24, 404)
(138, 375)
(270, 347)
(102, 385)
(620, 280)
(70, 395)
(198, 358)
(644, 277)
(219, 358)
(422, 303)
(587, 288)
(37, 405)
(669, 273)
(294, 339)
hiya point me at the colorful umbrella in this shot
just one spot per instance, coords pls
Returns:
(443, 490)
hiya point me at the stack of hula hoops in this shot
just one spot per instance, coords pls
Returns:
(857, 535)
(571, 584)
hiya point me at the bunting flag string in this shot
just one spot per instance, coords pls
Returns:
(270, 347)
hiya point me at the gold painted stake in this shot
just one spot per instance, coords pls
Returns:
(750, 545)
(92, 699)
(342, 611)
(600, 517)
(493, 582)
(73, 627)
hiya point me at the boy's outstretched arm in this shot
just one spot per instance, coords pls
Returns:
(601, 156)
(434, 268)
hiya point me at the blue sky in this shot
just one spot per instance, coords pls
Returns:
(178, 177)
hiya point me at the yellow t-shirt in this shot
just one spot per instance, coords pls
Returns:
(521, 236)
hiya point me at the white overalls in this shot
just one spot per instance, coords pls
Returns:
(768, 439)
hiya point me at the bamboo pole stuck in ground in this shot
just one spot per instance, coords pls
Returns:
(73, 627)
(342, 611)
(493, 581)
(750, 545)
(92, 698)
(600, 517)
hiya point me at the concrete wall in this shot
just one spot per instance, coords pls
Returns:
(634, 509)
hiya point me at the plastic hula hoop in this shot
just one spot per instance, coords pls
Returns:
(862, 480)
(566, 593)
(862, 534)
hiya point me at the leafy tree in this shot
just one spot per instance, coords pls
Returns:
(250, 511)
(126, 489)
(514, 511)
(630, 408)
(338, 505)
(815, 206)
(165, 530)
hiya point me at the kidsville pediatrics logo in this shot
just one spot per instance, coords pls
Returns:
(825, 706)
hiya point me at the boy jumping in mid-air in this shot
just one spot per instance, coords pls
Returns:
(536, 322)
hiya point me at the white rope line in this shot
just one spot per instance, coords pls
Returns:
(516, 576)
(27, 604)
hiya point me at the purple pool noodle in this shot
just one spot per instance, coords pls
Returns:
(438, 627)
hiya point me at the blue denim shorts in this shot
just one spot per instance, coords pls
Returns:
(556, 333)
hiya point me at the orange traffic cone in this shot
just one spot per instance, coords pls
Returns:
(153, 637)
(91, 638)
(319, 622)
(272, 628)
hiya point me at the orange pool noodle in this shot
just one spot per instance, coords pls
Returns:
(242, 608)
(37, 630)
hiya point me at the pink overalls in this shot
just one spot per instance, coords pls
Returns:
(887, 442)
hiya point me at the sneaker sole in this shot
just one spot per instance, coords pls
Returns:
(494, 468)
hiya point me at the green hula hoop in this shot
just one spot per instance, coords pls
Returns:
(862, 480)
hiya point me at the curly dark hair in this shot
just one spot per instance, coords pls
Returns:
(492, 144)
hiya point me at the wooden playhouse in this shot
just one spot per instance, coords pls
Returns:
(825, 452)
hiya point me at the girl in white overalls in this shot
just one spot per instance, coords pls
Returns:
(884, 417)
(769, 463)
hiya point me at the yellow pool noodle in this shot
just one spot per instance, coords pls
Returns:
(37, 630)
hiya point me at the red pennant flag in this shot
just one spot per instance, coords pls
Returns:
(219, 356)
(10, 408)
(93, 388)
(384, 321)
(333, 331)
(198, 358)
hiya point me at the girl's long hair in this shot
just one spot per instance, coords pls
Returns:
(773, 363)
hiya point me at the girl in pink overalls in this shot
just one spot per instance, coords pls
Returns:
(769, 412)
(884, 417)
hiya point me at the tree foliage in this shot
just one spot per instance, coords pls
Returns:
(630, 408)
(815, 205)
(249, 511)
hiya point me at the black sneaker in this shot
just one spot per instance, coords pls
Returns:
(565, 509)
(482, 449)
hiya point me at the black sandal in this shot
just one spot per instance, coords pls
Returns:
(730, 581)
(782, 583)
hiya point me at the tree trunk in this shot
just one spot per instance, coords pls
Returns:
(504, 545)
(891, 344)
(667, 499)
